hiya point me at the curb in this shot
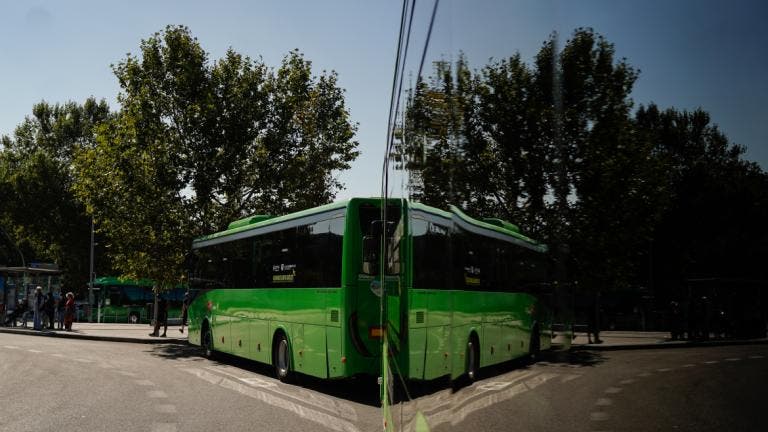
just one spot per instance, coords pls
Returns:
(669, 345)
(94, 337)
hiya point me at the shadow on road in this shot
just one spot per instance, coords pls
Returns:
(573, 358)
(362, 390)
(365, 390)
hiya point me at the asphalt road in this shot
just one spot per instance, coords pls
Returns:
(51, 384)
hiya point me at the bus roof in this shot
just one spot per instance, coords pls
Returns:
(260, 220)
(256, 221)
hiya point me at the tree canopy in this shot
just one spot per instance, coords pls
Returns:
(197, 144)
(558, 147)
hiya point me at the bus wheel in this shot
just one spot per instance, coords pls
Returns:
(473, 359)
(207, 342)
(281, 357)
(535, 345)
(133, 318)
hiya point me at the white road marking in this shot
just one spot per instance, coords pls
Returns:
(34, 351)
(144, 383)
(58, 355)
(454, 416)
(166, 409)
(164, 427)
(297, 393)
(604, 402)
(126, 373)
(302, 411)
(157, 394)
(689, 365)
(613, 390)
(664, 370)
(10, 346)
(712, 362)
(598, 416)
(570, 377)
(494, 385)
(756, 357)
(82, 360)
(539, 380)
(644, 374)
(732, 359)
(627, 381)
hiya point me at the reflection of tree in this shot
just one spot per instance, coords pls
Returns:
(555, 147)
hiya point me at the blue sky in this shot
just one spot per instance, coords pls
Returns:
(691, 54)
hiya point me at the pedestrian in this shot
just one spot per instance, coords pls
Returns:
(49, 309)
(69, 311)
(25, 309)
(39, 301)
(162, 317)
(60, 311)
(184, 311)
(593, 320)
(675, 320)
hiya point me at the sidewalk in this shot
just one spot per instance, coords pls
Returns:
(139, 333)
(626, 340)
(136, 333)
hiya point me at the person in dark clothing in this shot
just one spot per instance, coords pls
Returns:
(184, 311)
(593, 320)
(48, 308)
(162, 318)
(675, 320)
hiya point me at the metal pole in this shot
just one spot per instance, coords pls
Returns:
(90, 278)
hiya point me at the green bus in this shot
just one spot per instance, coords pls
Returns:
(303, 292)
(131, 301)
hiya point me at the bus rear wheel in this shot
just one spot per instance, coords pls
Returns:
(473, 359)
(281, 358)
(207, 342)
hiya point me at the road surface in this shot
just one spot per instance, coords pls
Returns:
(52, 384)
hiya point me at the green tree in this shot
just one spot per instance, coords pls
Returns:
(197, 145)
(713, 226)
(39, 208)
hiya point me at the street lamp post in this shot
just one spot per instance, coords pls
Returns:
(90, 278)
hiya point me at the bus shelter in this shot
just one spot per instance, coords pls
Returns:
(18, 283)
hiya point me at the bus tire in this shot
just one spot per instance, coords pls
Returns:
(206, 341)
(473, 359)
(133, 318)
(534, 348)
(281, 357)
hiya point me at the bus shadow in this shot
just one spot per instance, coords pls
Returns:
(362, 390)
(420, 389)
(365, 390)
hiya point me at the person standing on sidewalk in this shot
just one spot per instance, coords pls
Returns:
(593, 320)
(39, 301)
(162, 318)
(48, 309)
(69, 311)
(60, 312)
(184, 311)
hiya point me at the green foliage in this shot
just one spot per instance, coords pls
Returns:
(556, 148)
(197, 145)
(39, 209)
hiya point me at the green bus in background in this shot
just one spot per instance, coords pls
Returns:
(131, 301)
(303, 292)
